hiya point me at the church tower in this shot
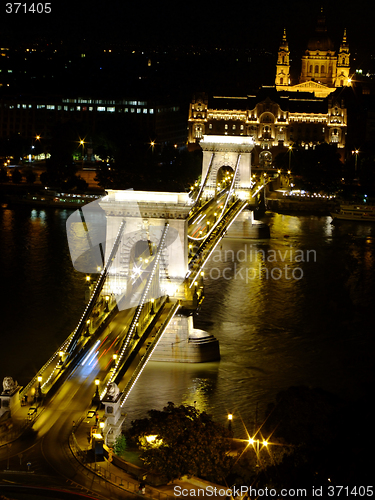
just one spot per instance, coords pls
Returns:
(283, 66)
(319, 61)
(343, 64)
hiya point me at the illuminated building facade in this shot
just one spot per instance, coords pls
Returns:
(275, 120)
(308, 113)
(31, 116)
(322, 70)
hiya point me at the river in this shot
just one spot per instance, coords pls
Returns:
(297, 309)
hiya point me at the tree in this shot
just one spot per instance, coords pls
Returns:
(181, 440)
(120, 445)
(16, 176)
(3, 175)
(30, 177)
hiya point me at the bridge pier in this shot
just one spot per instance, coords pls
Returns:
(183, 343)
(246, 227)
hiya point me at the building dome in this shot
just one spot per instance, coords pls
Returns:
(323, 43)
(320, 40)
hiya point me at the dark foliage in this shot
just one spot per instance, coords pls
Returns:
(191, 443)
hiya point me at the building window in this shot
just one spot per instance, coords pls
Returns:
(101, 108)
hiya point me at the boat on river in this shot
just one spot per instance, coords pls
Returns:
(365, 213)
(56, 199)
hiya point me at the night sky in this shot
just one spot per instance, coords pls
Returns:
(236, 23)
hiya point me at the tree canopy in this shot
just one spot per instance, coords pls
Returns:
(181, 440)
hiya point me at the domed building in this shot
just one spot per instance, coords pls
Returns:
(279, 117)
(322, 69)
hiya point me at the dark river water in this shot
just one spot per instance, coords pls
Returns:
(297, 309)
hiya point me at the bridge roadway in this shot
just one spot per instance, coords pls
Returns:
(45, 444)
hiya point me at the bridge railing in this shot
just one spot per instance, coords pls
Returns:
(209, 244)
(151, 277)
(98, 288)
(150, 349)
(202, 185)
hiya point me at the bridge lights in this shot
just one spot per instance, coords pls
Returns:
(152, 306)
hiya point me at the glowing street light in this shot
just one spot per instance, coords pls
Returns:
(290, 154)
(97, 382)
(256, 443)
(356, 153)
(39, 387)
(230, 418)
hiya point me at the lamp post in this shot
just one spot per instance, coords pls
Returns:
(82, 143)
(230, 418)
(39, 396)
(96, 396)
(355, 152)
(290, 155)
(256, 442)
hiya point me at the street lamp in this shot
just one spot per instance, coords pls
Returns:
(39, 387)
(82, 143)
(355, 152)
(290, 155)
(230, 418)
(97, 382)
(257, 442)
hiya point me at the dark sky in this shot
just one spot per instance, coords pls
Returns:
(233, 22)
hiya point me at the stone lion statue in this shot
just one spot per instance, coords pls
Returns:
(9, 384)
(113, 390)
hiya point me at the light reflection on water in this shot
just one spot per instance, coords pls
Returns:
(273, 333)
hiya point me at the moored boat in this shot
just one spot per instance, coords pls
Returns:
(357, 212)
(56, 199)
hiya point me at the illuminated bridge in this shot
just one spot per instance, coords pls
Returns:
(148, 251)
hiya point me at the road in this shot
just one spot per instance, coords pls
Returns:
(45, 445)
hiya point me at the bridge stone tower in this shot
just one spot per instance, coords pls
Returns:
(145, 215)
(221, 151)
